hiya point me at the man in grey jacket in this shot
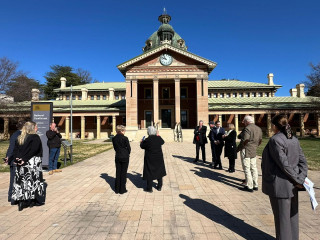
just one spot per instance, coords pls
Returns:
(251, 138)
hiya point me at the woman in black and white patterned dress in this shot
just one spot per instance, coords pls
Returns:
(28, 185)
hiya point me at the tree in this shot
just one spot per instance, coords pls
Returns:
(20, 88)
(313, 82)
(58, 71)
(8, 71)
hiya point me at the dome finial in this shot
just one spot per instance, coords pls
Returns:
(164, 18)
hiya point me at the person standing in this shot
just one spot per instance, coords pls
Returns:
(54, 144)
(218, 132)
(211, 138)
(28, 186)
(230, 148)
(200, 139)
(251, 138)
(122, 148)
(153, 167)
(9, 154)
(284, 169)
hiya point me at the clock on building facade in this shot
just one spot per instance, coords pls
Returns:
(166, 59)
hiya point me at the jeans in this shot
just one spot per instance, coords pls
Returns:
(54, 154)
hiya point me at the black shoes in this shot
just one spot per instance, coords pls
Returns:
(20, 205)
(246, 189)
(123, 191)
(255, 188)
(196, 160)
(159, 188)
(204, 161)
(218, 168)
(231, 170)
(148, 190)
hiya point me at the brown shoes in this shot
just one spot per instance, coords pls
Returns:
(50, 172)
(57, 170)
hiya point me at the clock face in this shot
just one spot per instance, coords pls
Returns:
(165, 59)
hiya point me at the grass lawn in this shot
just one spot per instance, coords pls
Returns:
(81, 151)
(310, 148)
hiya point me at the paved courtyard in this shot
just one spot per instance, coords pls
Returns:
(196, 202)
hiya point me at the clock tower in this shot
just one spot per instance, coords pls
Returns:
(166, 84)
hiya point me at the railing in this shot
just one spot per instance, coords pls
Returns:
(177, 133)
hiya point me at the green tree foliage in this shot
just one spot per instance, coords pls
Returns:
(20, 88)
(313, 82)
(78, 77)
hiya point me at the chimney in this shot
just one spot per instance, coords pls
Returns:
(63, 82)
(300, 90)
(293, 92)
(270, 79)
(35, 94)
(84, 92)
(111, 93)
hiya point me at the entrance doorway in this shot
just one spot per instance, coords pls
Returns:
(148, 117)
(166, 118)
(184, 119)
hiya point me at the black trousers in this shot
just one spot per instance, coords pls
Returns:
(218, 150)
(232, 161)
(121, 176)
(213, 152)
(203, 150)
(149, 183)
(12, 174)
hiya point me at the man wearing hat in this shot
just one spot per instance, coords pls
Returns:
(211, 138)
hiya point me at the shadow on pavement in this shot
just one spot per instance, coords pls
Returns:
(189, 159)
(217, 176)
(224, 218)
(110, 180)
(136, 179)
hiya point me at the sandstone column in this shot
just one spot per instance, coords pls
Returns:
(114, 125)
(302, 125)
(236, 122)
(220, 119)
(6, 129)
(131, 104)
(83, 127)
(253, 118)
(67, 127)
(111, 94)
(98, 127)
(177, 99)
(155, 100)
(269, 131)
(202, 99)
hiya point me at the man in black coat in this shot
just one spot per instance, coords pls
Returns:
(122, 148)
(54, 144)
(212, 145)
(218, 132)
(200, 139)
(13, 139)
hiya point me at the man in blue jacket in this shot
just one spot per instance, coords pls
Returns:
(218, 132)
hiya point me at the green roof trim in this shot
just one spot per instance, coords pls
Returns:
(237, 84)
(118, 86)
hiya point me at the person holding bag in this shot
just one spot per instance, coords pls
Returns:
(284, 169)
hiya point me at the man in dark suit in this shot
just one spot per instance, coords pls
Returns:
(200, 139)
(218, 132)
(122, 148)
(211, 138)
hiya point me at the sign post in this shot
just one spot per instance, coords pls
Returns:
(41, 114)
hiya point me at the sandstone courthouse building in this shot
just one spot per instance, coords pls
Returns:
(166, 85)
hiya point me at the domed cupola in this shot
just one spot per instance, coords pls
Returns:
(164, 35)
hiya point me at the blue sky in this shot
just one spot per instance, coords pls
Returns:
(248, 39)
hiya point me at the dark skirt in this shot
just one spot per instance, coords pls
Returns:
(28, 182)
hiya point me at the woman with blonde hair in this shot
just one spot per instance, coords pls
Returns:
(28, 185)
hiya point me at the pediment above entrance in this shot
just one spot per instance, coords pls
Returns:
(183, 61)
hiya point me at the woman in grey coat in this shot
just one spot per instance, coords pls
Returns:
(284, 169)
